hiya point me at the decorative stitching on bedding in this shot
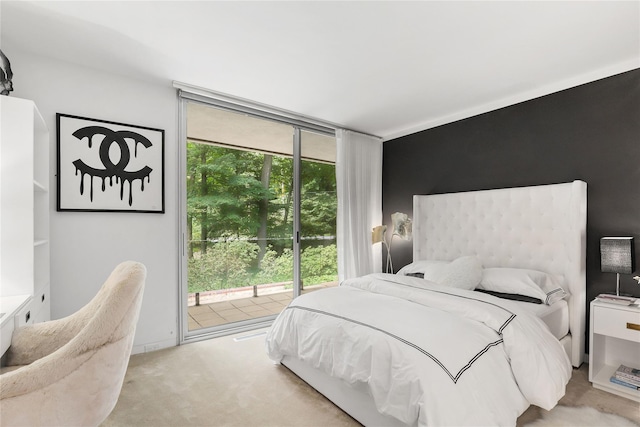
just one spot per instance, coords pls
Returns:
(409, 343)
(504, 325)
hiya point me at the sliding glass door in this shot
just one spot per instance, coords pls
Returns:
(318, 207)
(248, 182)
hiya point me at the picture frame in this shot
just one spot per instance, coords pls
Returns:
(105, 166)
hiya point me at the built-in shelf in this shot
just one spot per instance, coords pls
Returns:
(25, 205)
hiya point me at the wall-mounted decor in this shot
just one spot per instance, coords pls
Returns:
(109, 167)
(6, 75)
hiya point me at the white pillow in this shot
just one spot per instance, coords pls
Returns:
(418, 267)
(532, 283)
(464, 273)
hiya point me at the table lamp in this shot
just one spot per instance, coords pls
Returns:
(617, 256)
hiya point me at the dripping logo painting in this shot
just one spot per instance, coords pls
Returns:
(109, 166)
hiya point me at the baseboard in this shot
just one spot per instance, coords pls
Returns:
(149, 347)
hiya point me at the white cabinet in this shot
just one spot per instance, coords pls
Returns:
(615, 340)
(24, 207)
(11, 312)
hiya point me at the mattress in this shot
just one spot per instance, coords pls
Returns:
(555, 316)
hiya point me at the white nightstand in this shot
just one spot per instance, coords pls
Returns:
(615, 340)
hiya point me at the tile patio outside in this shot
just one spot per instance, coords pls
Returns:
(235, 310)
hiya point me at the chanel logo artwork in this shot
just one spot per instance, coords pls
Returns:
(112, 171)
(108, 166)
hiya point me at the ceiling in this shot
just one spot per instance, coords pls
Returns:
(386, 68)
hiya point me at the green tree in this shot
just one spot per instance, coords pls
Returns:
(223, 193)
(239, 214)
(319, 202)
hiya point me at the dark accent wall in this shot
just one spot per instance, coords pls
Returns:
(590, 132)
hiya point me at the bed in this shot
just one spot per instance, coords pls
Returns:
(407, 349)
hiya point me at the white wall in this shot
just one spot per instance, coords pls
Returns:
(85, 247)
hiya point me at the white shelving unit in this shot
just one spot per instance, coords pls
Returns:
(24, 209)
(615, 340)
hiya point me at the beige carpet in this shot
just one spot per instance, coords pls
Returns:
(582, 416)
(224, 382)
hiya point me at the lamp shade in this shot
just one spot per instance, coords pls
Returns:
(377, 234)
(401, 225)
(617, 255)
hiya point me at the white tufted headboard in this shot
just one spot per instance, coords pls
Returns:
(541, 227)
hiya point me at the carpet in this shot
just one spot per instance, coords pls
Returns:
(580, 416)
(229, 381)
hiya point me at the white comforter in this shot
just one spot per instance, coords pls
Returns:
(430, 354)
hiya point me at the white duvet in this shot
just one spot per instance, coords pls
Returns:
(429, 354)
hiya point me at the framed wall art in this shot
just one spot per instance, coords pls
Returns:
(109, 167)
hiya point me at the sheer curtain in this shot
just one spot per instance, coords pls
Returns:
(359, 184)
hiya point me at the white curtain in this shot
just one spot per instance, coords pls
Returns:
(359, 183)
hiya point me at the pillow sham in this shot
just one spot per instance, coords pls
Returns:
(418, 267)
(513, 297)
(531, 283)
(464, 272)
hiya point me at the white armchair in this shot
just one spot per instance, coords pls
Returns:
(70, 371)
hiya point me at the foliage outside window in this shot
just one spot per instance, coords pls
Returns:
(240, 219)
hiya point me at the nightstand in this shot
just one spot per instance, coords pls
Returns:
(614, 340)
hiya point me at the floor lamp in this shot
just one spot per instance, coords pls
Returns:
(378, 236)
(402, 227)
